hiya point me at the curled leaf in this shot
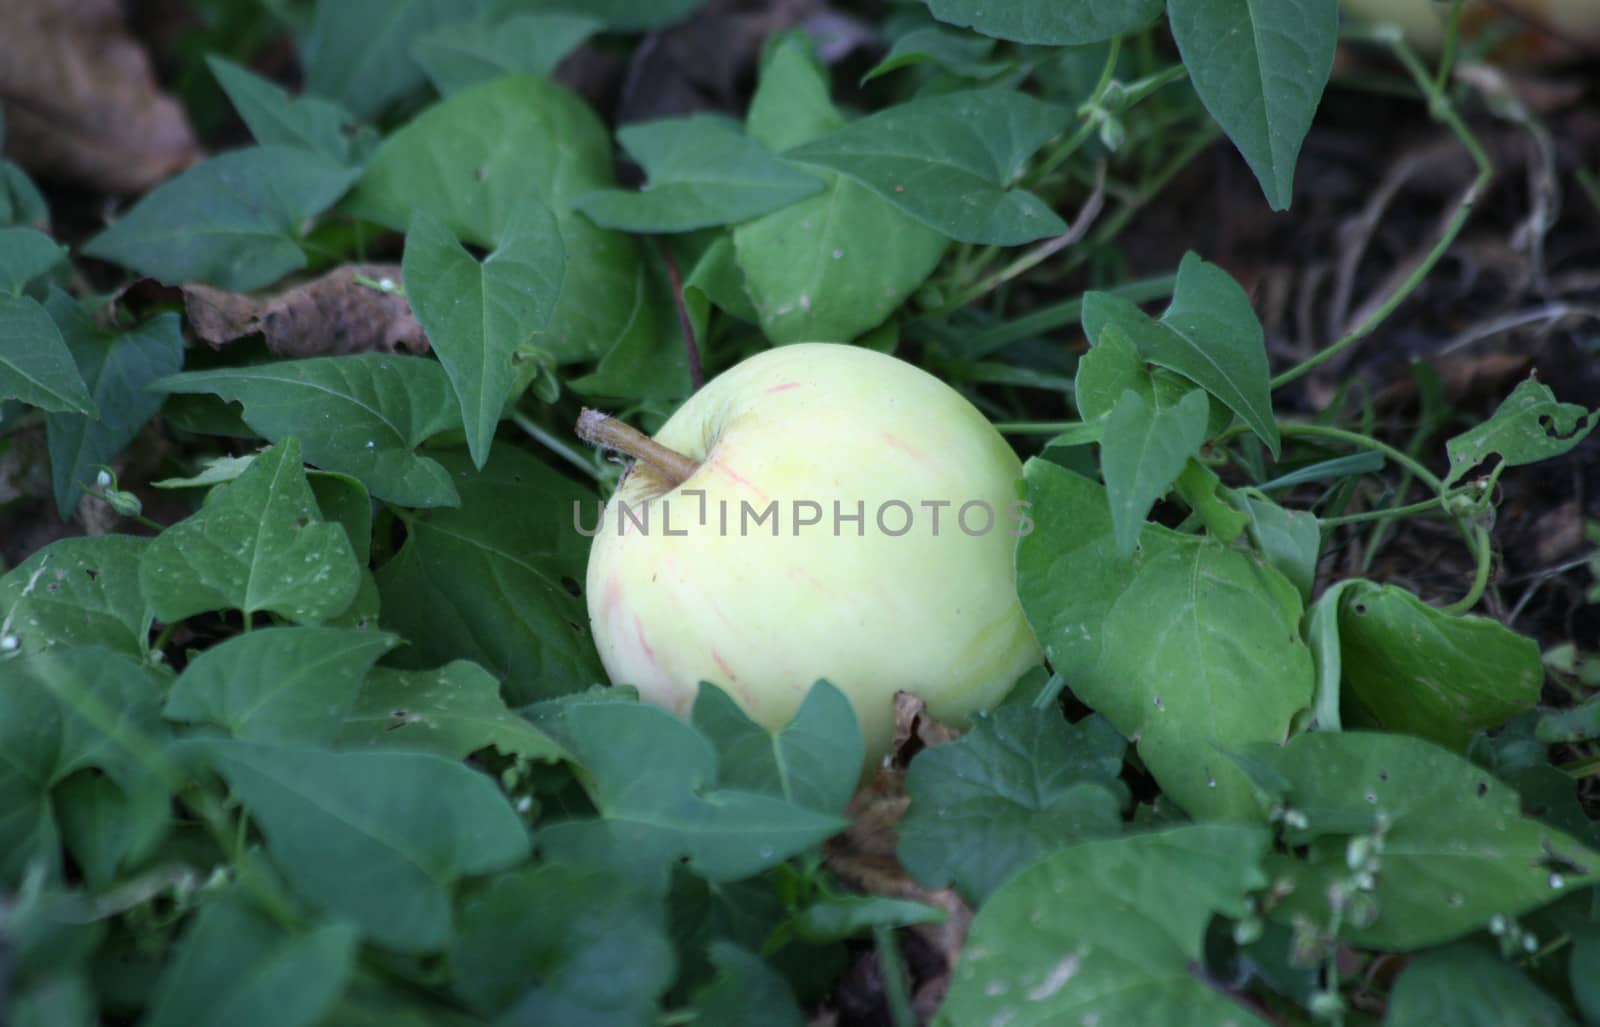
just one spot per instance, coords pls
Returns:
(329, 316)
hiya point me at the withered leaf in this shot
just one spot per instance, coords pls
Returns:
(327, 316)
(863, 855)
(81, 100)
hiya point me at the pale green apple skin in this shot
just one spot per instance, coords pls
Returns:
(763, 618)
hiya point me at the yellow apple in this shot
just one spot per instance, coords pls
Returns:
(755, 573)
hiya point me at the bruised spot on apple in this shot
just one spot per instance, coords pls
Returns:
(765, 608)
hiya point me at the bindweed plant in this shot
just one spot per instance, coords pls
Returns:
(305, 725)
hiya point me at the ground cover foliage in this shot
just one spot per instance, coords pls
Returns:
(300, 720)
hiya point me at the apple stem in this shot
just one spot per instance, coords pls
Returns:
(602, 429)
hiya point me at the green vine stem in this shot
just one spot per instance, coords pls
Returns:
(895, 995)
(975, 265)
(1440, 107)
(1475, 536)
(1042, 252)
(1447, 53)
(554, 443)
(972, 264)
(1484, 553)
(1391, 512)
(1035, 427)
(1057, 315)
(1380, 530)
(1111, 226)
(1353, 438)
(1087, 110)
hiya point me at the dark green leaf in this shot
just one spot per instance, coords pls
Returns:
(259, 543)
(746, 913)
(716, 275)
(341, 498)
(1583, 963)
(835, 918)
(1327, 470)
(77, 591)
(363, 415)
(213, 471)
(1076, 435)
(1219, 344)
(346, 502)
(49, 943)
(278, 684)
(468, 52)
(1289, 539)
(1200, 487)
(454, 711)
(378, 837)
(623, 15)
(745, 991)
(1469, 986)
(1191, 647)
(35, 364)
(648, 361)
(232, 221)
(470, 160)
(1516, 755)
(834, 265)
(1260, 70)
(1020, 784)
(1110, 368)
(703, 172)
(21, 203)
(63, 712)
(1453, 848)
(1209, 334)
(1428, 673)
(1579, 723)
(101, 824)
(950, 161)
(1530, 425)
(1048, 22)
(116, 367)
(375, 998)
(791, 104)
(556, 944)
(1109, 932)
(477, 315)
(359, 51)
(362, 613)
(654, 780)
(26, 254)
(815, 761)
(956, 52)
(236, 966)
(275, 118)
(496, 581)
(1142, 451)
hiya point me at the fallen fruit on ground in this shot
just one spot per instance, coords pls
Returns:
(820, 511)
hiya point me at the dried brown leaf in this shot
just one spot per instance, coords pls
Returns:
(328, 316)
(863, 855)
(916, 729)
(81, 99)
